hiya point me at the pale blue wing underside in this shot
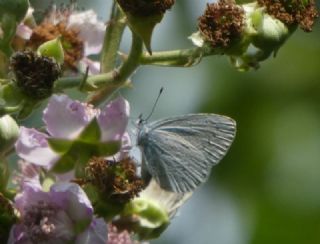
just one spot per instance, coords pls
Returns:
(180, 151)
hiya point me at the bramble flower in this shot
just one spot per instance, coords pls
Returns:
(81, 34)
(75, 132)
(62, 215)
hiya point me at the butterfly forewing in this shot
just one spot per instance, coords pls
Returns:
(180, 151)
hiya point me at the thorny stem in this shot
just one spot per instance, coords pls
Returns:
(120, 77)
(181, 58)
(112, 39)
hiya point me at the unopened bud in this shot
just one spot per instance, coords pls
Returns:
(149, 219)
(9, 132)
(270, 32)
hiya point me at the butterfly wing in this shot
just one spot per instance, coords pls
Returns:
(180, 151)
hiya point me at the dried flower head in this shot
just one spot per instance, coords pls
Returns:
(117, 181)
(145, 7)
(35, 75)
(292, 12)
(222, 23)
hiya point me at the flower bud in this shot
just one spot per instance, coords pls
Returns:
(52, 49)
(144, 15)
(149, 214)
(148, 218)
(265, 34)
(9, 132)
(271, 33)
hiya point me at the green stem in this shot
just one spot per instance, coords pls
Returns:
(180, 58)
(4, 174)
(112, 39)
(120, 77)
(113, 80)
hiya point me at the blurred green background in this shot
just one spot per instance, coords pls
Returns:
(267, 189)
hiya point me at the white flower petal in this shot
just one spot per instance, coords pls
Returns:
(91, 30)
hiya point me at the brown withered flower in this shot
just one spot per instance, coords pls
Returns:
(34, 74)
(145, 7)
(117, 181)
(302, 13)
(222, 23)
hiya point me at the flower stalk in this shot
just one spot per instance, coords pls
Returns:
(120, 77)
(112, 39)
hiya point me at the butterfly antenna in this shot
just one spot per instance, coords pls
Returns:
(155, 104)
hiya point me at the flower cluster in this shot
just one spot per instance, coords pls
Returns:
(250, 33)
(84, 154)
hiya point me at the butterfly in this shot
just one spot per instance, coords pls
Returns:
(179, 152)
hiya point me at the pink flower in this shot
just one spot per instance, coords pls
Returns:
(62, 215)
(75, 129)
